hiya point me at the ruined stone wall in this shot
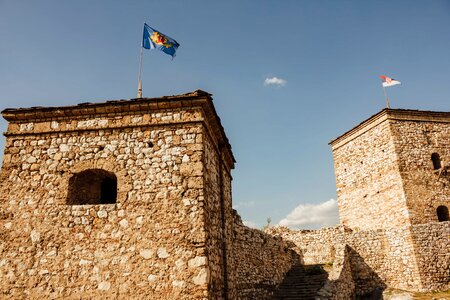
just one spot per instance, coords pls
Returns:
(379, 258)
(151, 243)
(369, 186)
(415, 142)
(172, 232)
(260, 262)
(340, 284)
(431, 246)
(314, 246)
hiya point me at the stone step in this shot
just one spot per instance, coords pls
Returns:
(301, 283)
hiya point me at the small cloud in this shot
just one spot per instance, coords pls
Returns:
(250, 224)
(275, 81)
(244, 204)
(312, 216)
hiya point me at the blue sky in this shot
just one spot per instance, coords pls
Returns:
(330, 53)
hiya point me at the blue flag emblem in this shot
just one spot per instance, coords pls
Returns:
(153, 39)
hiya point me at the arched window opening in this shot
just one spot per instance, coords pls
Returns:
(442, 213)
(436, 161)
(93, 186)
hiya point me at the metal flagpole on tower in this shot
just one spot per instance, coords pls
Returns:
(385, 95)
(139, 93)
(162, 42)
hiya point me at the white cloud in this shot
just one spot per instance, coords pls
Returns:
(275, 81)
(250, 224)
(312, 216)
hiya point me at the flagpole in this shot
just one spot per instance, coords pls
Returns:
(139, 93)
(385, 96)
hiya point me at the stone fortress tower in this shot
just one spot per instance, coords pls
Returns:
(393, 185)
(124, 198)
(131, 199)
(393, 176)
(393, 170)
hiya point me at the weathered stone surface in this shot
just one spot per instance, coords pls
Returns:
(132, 199)
(385, 175)
(202, 277)
(71, 236)
(35, 236)
(162, 253)
(259, 262)
(104, 286)
(401, 258)
(390, 186)
(152, 278)
(146, 253)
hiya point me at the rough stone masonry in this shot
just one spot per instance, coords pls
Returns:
(132, 199)
(124, 199)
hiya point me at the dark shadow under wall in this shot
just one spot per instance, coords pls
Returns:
(368, 285)
(351, 278)
(301, 282)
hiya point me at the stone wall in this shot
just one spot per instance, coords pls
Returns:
(132, 199)
(260, 262)
(167, 229)
(410, 258)
(340, 284)
(157, 239)
(431, 246)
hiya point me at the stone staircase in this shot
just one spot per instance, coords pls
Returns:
(301, 282)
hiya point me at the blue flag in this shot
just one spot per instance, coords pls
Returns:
(153, 39)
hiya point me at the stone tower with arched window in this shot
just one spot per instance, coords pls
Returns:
(393, 169)
(132, 199)
(393, 178)
(128, 197)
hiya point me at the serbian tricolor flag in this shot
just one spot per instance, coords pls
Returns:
(387, 81)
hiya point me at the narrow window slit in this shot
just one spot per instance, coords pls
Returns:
(442, 213)
(435, 158)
